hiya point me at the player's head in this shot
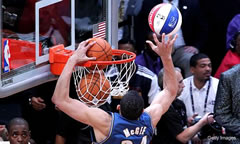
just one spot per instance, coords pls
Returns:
(18, 131)
(201, 66)
(131, 105)
(179, 79)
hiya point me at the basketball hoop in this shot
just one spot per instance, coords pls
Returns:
(118, 73)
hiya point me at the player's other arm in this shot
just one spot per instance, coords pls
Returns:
(163, 100)
(95, 117)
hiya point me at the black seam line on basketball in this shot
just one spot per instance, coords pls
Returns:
(103, 49)
(95, 83)
(105, 53)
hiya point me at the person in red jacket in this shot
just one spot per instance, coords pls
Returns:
(232, 57)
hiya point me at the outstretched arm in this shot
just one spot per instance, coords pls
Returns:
(95, 117)
(164, 98)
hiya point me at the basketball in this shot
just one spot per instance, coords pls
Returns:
(165, 18)
(94, 89)
(101, 50)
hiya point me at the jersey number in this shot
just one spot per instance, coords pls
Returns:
(144, 141)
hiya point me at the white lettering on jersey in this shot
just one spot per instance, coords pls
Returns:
(136, 131)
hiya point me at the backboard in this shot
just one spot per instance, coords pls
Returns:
(28, 29)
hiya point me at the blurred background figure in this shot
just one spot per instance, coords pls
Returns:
(128, 10)
(148, 58)
(232, 57)
(218, 21)
(227, 110)
(233, 27)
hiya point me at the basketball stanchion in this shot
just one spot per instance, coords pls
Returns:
(96, 80)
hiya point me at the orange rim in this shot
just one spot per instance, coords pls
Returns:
(114, 53)
(58, 56)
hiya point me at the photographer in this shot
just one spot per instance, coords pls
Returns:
(172, 128)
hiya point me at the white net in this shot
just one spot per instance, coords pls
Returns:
(95, 86)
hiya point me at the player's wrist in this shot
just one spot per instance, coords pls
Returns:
(166, 57)
(73, 60)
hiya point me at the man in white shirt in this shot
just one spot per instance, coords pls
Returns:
(200, 89)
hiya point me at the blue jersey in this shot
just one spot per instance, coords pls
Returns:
(124, 131)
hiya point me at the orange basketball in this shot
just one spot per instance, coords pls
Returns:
(94, 89)
(101, 50)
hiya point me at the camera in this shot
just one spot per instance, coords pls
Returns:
(210, 129)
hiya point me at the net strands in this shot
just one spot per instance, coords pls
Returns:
(118, 75)
(92, 96)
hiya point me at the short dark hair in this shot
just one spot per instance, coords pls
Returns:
(196, 57)
(17, 121)
(126, 41)
(131, 105)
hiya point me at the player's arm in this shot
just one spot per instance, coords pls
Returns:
(163, 100)
(95, 117)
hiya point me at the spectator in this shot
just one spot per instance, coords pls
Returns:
(172, 128)
(128, 9)
(18, 131)
(232, 57)
(227, 110)
(218, 20)
(233, 27)
(148, 58)
(200, 89)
